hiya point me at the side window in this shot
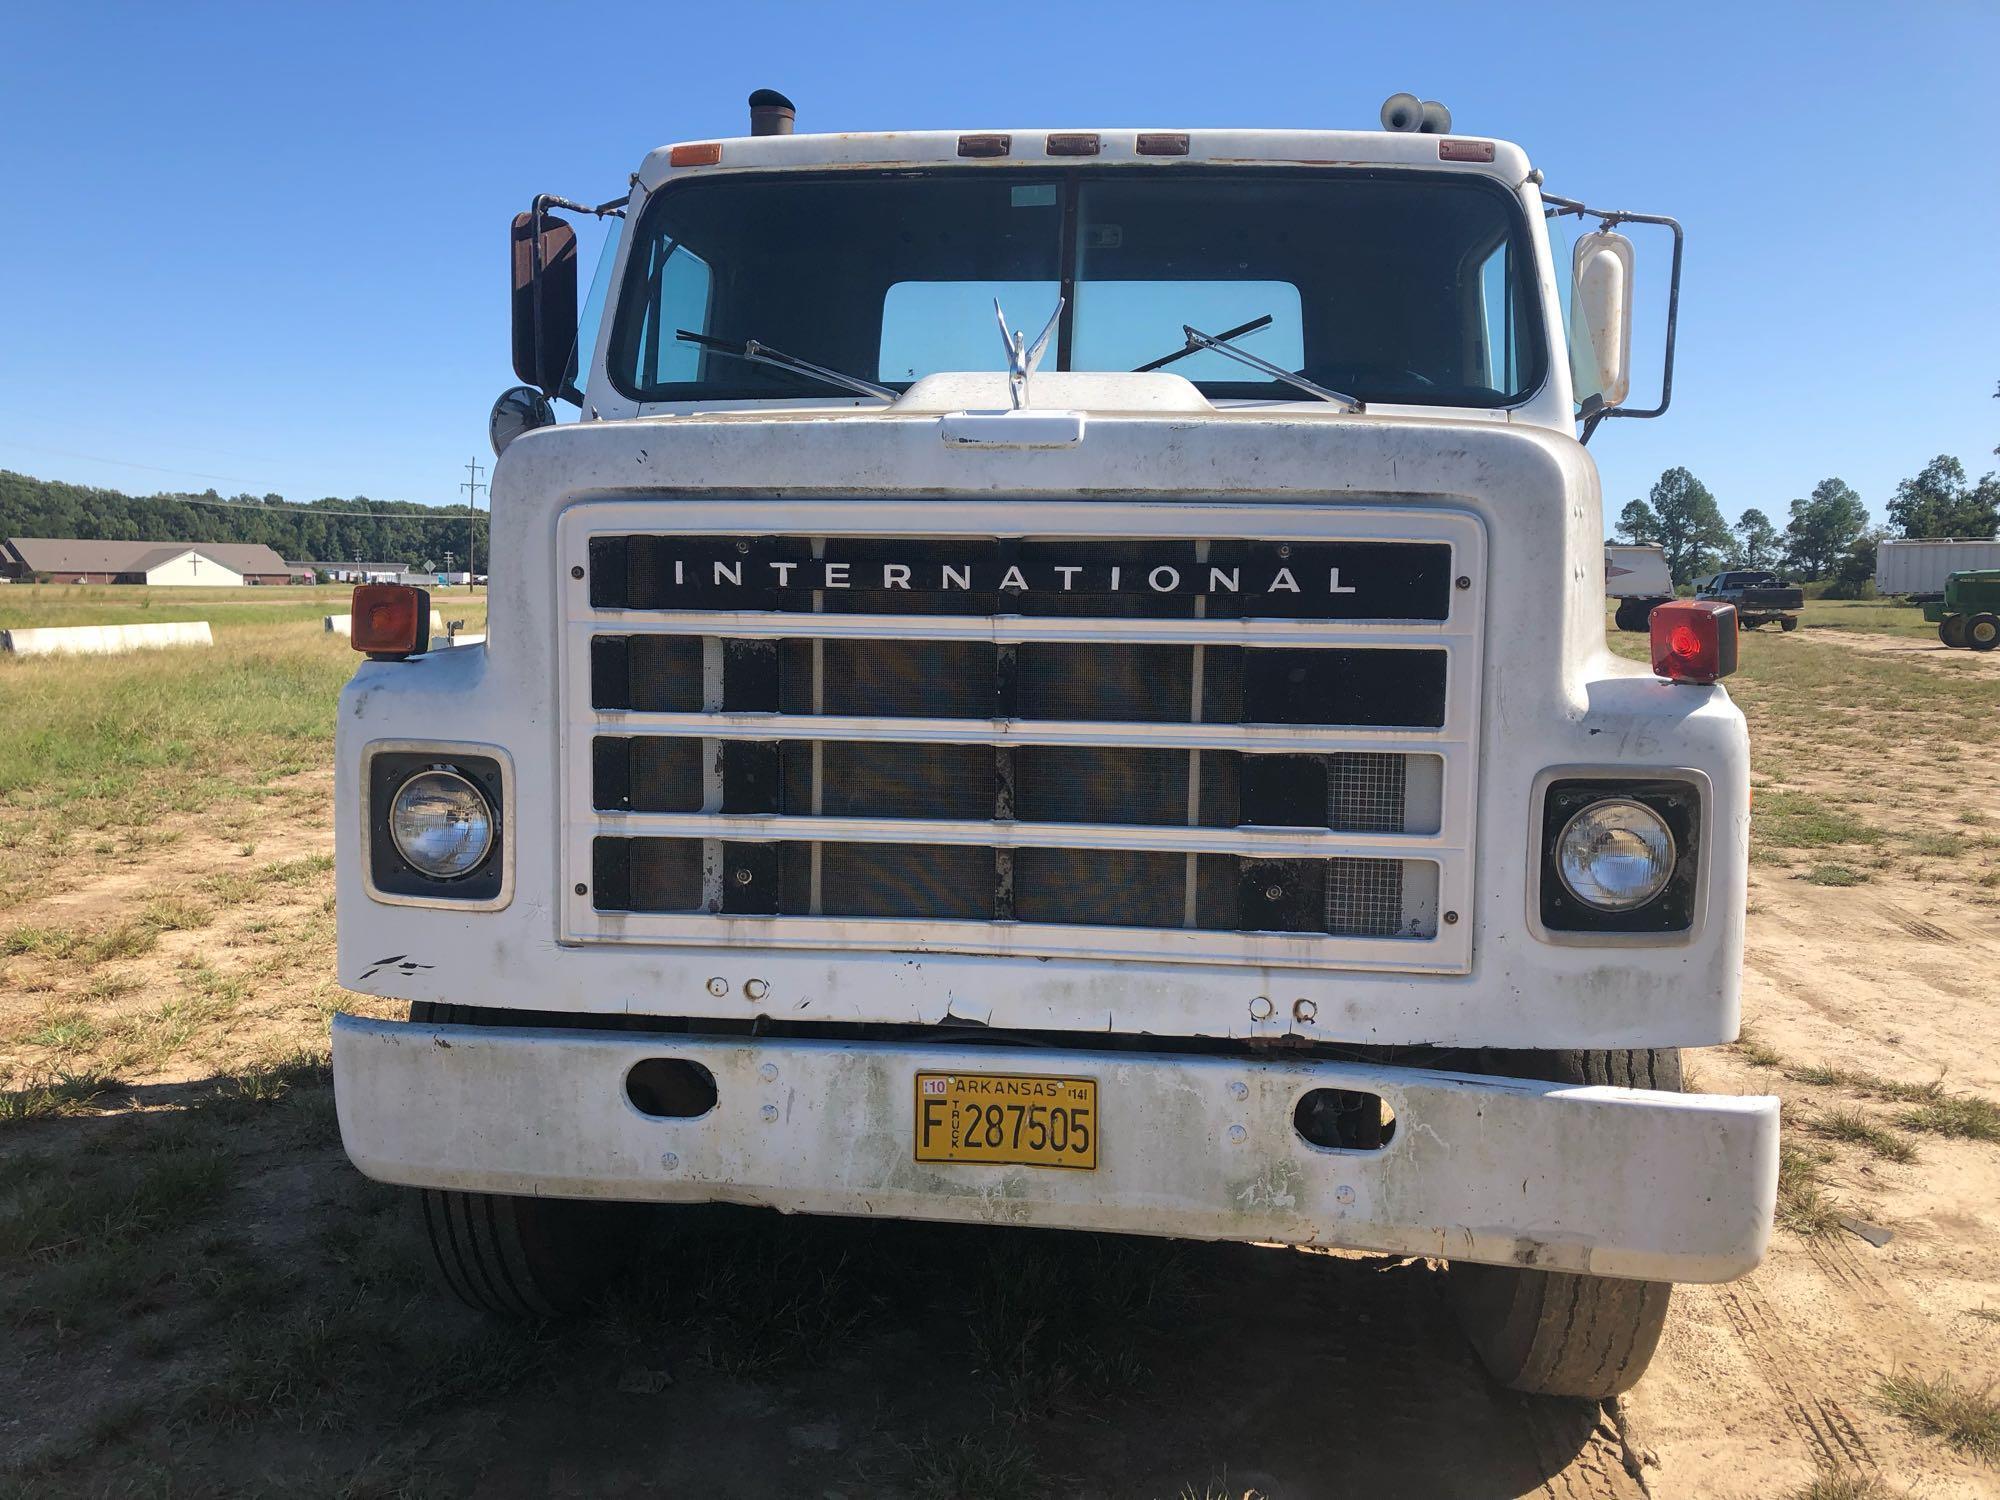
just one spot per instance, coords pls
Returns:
(1495, 364)
(677, 296)
(593, 304)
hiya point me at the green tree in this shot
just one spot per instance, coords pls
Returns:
(1822, 528)
(386, 531)
(1940, 502)
(1637, 523)
(1757, 540)
(1692, 532)
(1854, 574)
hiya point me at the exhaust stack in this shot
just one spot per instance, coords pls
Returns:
(771, 113)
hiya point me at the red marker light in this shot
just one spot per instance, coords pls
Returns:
(1694, 640)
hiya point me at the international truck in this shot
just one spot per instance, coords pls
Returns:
(1058, 678)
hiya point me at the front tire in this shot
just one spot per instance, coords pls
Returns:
(1789, 623)
(1560, 1333)
(1951, 630)
(524, 1258)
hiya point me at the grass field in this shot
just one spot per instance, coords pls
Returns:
(201, 1297)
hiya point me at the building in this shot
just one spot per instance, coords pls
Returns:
(358, 572)
(204, 564)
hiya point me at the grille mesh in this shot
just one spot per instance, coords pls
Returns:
(1059, 887)
(1364, 897)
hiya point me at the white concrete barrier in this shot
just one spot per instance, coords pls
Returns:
(344, 625)
(103, 640)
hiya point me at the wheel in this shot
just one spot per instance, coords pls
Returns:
(1982, 632)
(1635, 614)
(1557, 1333)
(529, 1258)
(1789, 623)
(1951, 630)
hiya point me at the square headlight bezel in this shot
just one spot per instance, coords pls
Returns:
(1682, 799)
(385, 766)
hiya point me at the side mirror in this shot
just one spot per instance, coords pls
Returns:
(544, 282)
(1600, 335)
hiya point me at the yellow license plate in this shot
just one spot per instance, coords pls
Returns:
(1007, 1119)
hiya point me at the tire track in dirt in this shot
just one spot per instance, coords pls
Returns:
(1596, 1471)
(1821, 1422)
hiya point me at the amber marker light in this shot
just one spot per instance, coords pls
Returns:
(390, 621)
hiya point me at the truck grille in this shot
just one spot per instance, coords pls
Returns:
(1170, 747)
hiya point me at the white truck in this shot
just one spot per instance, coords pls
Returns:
(1152, 766)
(1636, 575)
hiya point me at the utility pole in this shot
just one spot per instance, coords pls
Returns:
(472, 487)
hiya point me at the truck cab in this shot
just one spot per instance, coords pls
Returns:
(1058, 678)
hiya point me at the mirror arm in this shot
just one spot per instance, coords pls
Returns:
(1591, 413)
(1611, 219)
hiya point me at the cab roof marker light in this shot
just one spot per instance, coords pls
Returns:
(985, 145)
(1074, 144)
(1163, 143)
(1694, 640)
(1465, 150)
(695, 154)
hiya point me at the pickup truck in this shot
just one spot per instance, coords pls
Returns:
(1758, 596)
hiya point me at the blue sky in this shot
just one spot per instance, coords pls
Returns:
(262, 248)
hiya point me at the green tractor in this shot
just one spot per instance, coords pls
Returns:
(1969, 612)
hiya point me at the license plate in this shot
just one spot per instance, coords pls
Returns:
(1007, 1119)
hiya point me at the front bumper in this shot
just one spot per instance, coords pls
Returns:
(1614, 1182)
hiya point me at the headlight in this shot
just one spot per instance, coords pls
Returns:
(442, 824)
(1615, 855)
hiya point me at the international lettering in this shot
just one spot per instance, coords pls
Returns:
(1014, 578)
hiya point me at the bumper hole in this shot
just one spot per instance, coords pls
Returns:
(670, 1088)
(1343, 1120)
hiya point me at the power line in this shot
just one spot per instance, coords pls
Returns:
(289, 509)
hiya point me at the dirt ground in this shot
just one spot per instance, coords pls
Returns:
(201, 1297)
(1924, 651)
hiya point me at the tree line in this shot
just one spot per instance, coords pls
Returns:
(386, 531)
(1827, 534)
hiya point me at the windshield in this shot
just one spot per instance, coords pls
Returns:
(1398, 287)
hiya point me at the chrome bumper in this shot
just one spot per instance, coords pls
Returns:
(1615, 1182)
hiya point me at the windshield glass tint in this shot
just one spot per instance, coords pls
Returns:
(1399, 288)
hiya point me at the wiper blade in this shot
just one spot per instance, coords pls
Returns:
(764, 354)
(1192, 348)
(1219, 342)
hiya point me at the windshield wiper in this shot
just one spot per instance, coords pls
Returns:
(1193, 348)
(1219, 342)
(764, 354)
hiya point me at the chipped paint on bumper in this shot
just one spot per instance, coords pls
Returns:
(1614, 1182)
